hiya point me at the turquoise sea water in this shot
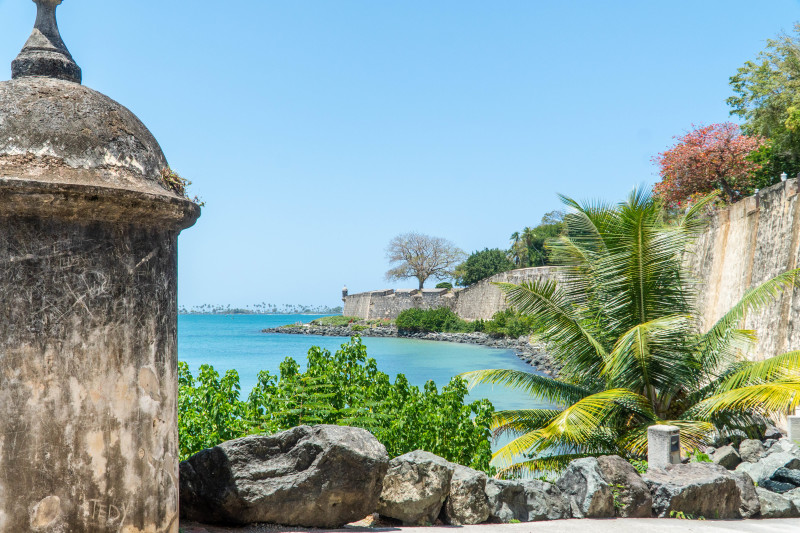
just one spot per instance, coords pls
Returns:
(236, 342)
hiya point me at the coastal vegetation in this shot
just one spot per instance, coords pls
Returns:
(344, 388)
(625, 329)
(506, 323)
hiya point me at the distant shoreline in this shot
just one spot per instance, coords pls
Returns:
(532, 354)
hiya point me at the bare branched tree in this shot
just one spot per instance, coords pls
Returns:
(422, 256)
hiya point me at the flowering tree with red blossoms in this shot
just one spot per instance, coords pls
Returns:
(708, 158)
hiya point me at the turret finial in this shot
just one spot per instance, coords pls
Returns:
(45, 54)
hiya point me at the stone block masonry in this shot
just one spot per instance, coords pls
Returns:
(744, 245)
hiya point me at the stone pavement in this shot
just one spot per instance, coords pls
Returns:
(619, 525)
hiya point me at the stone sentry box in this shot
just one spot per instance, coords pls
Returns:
(88, 308)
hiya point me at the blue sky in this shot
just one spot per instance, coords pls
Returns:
(317, 130)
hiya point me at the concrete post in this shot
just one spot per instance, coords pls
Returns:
(793, 424)
(663, 446)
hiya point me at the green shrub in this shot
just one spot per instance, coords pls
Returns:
(344, 388)
(434, 320)
(335, 320)
(444, 285)
(508, 323)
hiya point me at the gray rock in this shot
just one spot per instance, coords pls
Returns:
(506, 501)
(775, 506)
(544, 501)
(587, 492)
(772, 433)
(794, 496)
(766, 466)
(415, 488)
(466, 502)
(727, 456)
(778, 487)
(786, 475)
(751, 450)
(631, 495)
(321, 476)
(698, 489)
(783, 445)
(750, 505)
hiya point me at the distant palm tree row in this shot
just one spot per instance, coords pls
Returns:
(263, 308)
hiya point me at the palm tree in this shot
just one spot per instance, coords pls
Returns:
(625, 329)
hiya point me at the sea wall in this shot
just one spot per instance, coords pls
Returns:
(481, 300)
(744, 245)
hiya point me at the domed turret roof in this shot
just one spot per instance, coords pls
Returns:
(61, 131)
(54, 131)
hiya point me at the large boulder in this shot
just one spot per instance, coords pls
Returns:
(750, 505)
(631, 495)
(751, 450)
(544, 501)
(697, 489)
(466, 502)
(525, 501)
(321, 476)
(415, 488)
(586, 490)
(775, 506)
(768, 465)
(506, 501)
(727, 456)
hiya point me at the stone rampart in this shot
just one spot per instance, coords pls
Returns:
(744, 245)
(481, 300)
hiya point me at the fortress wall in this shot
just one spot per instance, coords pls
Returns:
(744, 245)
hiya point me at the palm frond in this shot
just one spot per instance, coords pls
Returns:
(752, 373)
(713, 342)
(536, 385)
(556, 324)
(773, 398)
(520, 421)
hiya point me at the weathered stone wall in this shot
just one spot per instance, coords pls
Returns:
(88, 328)
(481, 300)
(745, 245)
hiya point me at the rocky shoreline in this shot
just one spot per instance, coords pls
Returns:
(530, 353)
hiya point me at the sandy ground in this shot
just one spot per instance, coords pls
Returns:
(619, 525)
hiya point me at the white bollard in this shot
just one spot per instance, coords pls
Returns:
(793, 424)
(663, 446)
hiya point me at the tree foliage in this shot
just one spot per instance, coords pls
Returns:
(421, 256)
(481, 265)
(344, 388)
(767, 96)
(624, 327)
(708, 158)
(528, 246)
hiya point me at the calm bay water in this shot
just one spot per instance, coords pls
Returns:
(236, 342)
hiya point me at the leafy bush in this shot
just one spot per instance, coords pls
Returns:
(508, 323)
(444, 285)
(344, 388)
(434, 320)
(336, 320)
